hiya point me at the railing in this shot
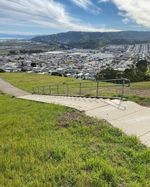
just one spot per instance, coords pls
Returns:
(112, 88)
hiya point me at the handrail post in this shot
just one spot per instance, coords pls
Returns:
(122, 91)
(129, 83)
(43, 90)
(97, 89)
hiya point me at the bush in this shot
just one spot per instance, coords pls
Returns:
(2, 71)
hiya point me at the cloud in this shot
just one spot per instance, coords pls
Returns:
(87, 5)
(44, 13)
(125, 20)
(20, 33)
(137, 10)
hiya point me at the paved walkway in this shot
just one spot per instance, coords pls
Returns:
(132, 118)
(9, 89)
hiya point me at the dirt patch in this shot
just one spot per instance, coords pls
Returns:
(137, 92)
(75, 118)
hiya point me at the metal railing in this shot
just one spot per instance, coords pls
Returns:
(112, 88)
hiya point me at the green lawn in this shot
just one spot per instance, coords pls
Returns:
(141, 85)
(137, 92)
(51, 145)
(28, 80)
(144, 101)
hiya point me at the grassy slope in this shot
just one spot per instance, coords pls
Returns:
(27, 80)
(51, 145)
(141, 85)
(144, 101)
(138, 92)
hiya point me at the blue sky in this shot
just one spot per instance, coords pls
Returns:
(53, 16)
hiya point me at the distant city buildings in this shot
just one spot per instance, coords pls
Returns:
(77, 63)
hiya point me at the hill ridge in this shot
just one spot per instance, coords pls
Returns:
(94, 39)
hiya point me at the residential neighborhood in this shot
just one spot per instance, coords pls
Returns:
(77, 63)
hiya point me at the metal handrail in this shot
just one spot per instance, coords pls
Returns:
(70, 83)
(79, 86)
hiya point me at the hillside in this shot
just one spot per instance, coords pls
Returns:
(29, 80)
(137, 92)
(94, 39)
(51, 145)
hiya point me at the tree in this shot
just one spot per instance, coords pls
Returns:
(107, 73)
(2, 71)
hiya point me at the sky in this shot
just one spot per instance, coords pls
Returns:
(39, 17)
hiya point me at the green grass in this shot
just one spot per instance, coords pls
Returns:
(28, 80)
(140, 93)
(51, 145)
(144, 101)
(141, 85)
(137, 92)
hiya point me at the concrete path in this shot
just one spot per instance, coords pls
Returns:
(132, 118)
(9, 89)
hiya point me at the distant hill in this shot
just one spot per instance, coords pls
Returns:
(94, 39)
